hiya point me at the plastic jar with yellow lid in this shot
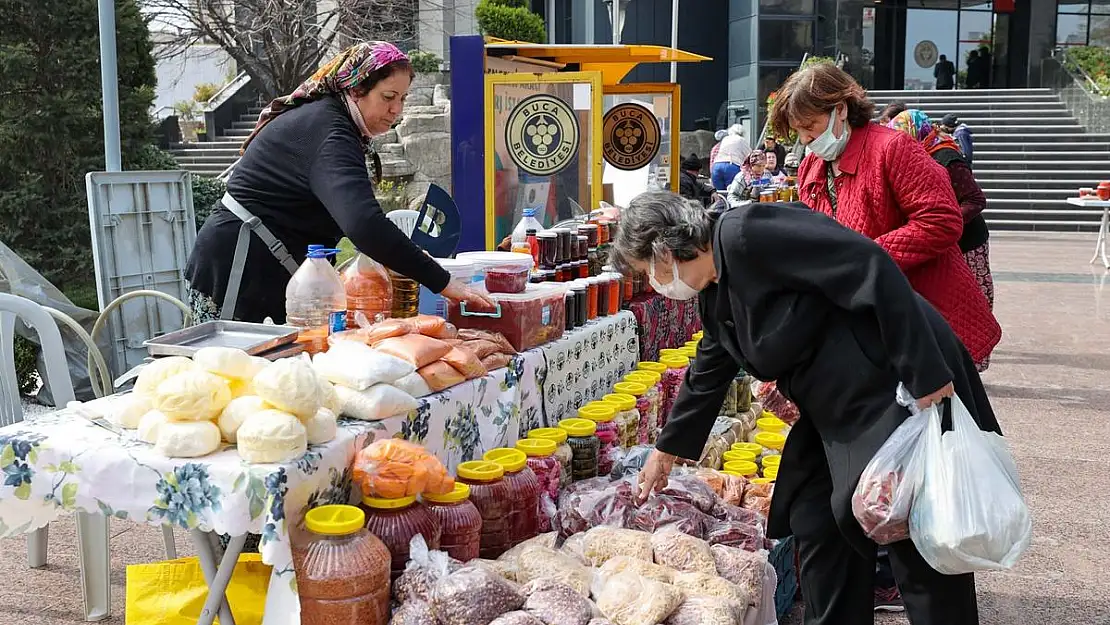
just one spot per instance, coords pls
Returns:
(763, 480)
(653, 380)
(604, 415)
(745, 468)
(754, 448)
(562, 450)
(628, 417)
(649, 365)
(460, 523)
(771, 460)
(584, 447)
(395, 522)
(671, 383)
(767, 422)
(771, 472)
(492, 495)
(669, 351)
(542, 461)
(524, 519)
(697, 335)
(734, 455)
(772, 444)
(689, 351)
(646, 410)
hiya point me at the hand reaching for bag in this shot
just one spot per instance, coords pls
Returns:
(936, 396)
(653, 477)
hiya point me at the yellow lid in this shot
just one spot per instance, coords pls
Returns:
(335, 520)
(770, 424)
(743, 467)
(755, 448)
(512, 460)
(552, 434)
(381, 503)
(578, 427)
(767, 414)
(461, 492)
(649, 378)
(693, 344)
(697, 335)
(623, 401)
(763, 480)
(771, 440)
(689, 352)
(630, 388)
(772, 461)
(771, 472)
(675, 362)
(669, 351)
(480, 470)
(536, 447)
(647, 365)
(598, 411)
(739, 454)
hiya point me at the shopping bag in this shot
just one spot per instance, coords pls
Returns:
(173, 592)
(968, 513)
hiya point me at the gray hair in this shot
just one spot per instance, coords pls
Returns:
(657, 224)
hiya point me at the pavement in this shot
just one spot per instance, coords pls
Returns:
(1047, 382)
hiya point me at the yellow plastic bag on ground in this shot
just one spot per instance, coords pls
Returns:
(173, 592)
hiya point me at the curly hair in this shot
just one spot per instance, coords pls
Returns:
(817, 90)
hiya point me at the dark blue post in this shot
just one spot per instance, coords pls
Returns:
(468, 150)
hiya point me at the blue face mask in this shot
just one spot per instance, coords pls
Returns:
(828, 146)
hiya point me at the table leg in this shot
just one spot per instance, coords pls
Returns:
(216, 575)
(96, 585)
(1100, 242)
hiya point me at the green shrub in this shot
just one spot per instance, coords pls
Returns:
(425, 62)
(204, 92)
(515, 23)
(206, 192)
(26, 373)
(1094, 61)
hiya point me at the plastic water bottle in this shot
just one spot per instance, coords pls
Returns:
(315, 300)
(526, 223)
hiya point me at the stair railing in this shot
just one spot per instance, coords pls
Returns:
(1076, 89)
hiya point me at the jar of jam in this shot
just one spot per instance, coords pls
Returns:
(602, 295)
(591, 299)
(535, 277)
(584, 447)
(672, 382)
(492, 495)
(629, 287)
(646, 412)
(564, 253)
(590, 231)
(460, 523)
(603, 414)
(581, 300)
(524, 517)
(615, 292)
(562, 450)
(548, 275)
(542, 461)
(395, 522)
(342, 570)
(627, 419)
(561, 273)
(571, 310)
(549, 244)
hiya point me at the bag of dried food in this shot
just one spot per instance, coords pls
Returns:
(682, 552)
(393, 468)
(736, 534)
(435, 327)
(503, 344)
(714, 479)
(774, 401)
(643, 568)
(424, 568)
(413, 613)
(417, 349)
(465, 362)
(474, 595)
(628, 599)
(632, 462)
(664, 511)
(440, 376)
(597, 545)
(687, 487)
(728, 512)
(496, 361)
(710, 585)
(743, 568)
(595, 501)
(699, 610)
(555, 603)
(537, 562)
(517, 617)
(732, 492)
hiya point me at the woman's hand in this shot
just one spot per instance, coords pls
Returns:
(456, 291)
(934, 398)
(653, 477)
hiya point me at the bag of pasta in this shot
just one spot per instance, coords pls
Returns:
(629, 599)
(392, 468)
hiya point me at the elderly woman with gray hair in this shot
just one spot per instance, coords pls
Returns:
(790, 295)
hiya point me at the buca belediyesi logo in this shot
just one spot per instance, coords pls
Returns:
(631, 136)
(542, 135)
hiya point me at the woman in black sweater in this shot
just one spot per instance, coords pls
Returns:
(303, 175)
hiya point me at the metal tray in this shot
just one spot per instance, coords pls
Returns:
(253, 338)
(284, 351)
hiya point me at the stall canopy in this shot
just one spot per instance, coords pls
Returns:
(614, 62)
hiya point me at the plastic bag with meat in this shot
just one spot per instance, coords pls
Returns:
(418, 349)
(593, 502)
(664, 511)
(465, 362)
(392, 468)
(748, 536)
(496, 361)
(774, 401)
(882, 498)
(728, 512)
(440, 376)
(503, 344)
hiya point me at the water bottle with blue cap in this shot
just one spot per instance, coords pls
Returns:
(315, 300)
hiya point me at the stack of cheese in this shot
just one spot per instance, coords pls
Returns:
(271, 411)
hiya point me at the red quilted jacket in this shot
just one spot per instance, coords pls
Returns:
(892, 191)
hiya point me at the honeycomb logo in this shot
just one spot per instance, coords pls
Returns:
(542, 135)
(630, 136)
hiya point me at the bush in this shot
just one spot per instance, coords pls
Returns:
(510, 20)
(1094, 61)
(206, 192)
(26, 368)
(424, 62)
(204, 92)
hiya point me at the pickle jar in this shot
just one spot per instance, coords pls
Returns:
(646, 414)
(672, 382)
(627, 419)
(562, 451)
(492, 495)
(524, 520)
(542, 461)
(654, 383)
(584, 447)
(460, 523)
(395, 522)
(603, 414)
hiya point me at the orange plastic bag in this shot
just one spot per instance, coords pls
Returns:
(439, 376)
(392, 468)
(430, 325)
(418, 349)
(466, 362)
(499, 339)
(496, 361)
(368, 288)
(481, 347)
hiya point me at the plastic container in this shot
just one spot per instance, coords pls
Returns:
(603, 414)
(697, 335)
(542, 461)
(743, 467)
(529, 319)
(768, 423)
(584, 447)
(342, 570)
(670, 351)
(770, 461)
(435, 304)
(395, 522)
(368, 288)
(734, 455)
(524, 519)
(771, 442)
(627, 419)
(691, 344)
(315, 300)
(771, 473)
(754, 448)
(672, 382)
(563, 452)
(484, 261)
(492, 495)
(460, 523)
(689, 352)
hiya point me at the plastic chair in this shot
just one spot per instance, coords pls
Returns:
(406, 220)
(92, 529)
(441, 244)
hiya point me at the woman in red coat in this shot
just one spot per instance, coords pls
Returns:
(883, 184)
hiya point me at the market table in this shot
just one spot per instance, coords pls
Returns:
(1104, 225)
(663, 323)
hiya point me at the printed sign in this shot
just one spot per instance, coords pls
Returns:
(542, 135)
(925, 53)
(630, 136)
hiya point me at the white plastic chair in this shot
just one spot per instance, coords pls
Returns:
(405, 219)
(92, 529)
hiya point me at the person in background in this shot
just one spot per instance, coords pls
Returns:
(751, 174)
(772, 147)
(718, 137)
(734, 149)
(985, 67)
(974, 78)
(890, 110)
(690, 185)
(950, 126)
(945, 73)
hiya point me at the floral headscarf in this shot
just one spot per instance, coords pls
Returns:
(916, 124)
(756, 156)
(338, 75)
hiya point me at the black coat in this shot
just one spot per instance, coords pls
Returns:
(824, 311)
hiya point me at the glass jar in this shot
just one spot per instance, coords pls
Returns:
(672, 382)
(602, 295)
(627, 419)
(564, 254)
(645, 410)
(590, 231)
(460, 523)
(603, 414)
(492, 495)
(771, 442)
(767, 422)
(743, 467)
(629, 289)
(562, 451)
(342, 569)
(524, 519)
(542, 462)
(395, 522)
(549, 244)
(584, 447)
(594, 258)
(615, 293)
(591, 299)
(571, 309)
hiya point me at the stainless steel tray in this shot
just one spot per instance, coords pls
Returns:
(253, 338)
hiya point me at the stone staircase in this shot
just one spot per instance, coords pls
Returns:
(1031, 154)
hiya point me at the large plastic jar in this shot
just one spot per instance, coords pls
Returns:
(435, 304)
(604, 415)
(562, 451)
(742, 467)
(767, 422)
(395, 522)
(771, 473)
(771, 461)
(342, 570)
(460, 523)
(672, 382)
(627, 419)
(492, 495)
(754, 448)
(369, 290)
(647, 415)
(689, 351)
(772, 444)
(584, 447)
(733, 455)
(524, 517)
(542, 461)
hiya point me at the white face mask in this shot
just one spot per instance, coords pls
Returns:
(676, 288)
(828, 146)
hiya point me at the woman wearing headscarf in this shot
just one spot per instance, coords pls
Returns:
(303, 180)
(751, 172)
(726, 164)
(943, 148)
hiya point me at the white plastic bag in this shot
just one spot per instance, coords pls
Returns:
(359, 366)
(378, 402)
(968, 514)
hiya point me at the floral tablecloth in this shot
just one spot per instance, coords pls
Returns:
(585, 363)
(663, 323)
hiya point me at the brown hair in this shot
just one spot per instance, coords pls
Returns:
(817, 89)
(401, 65)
